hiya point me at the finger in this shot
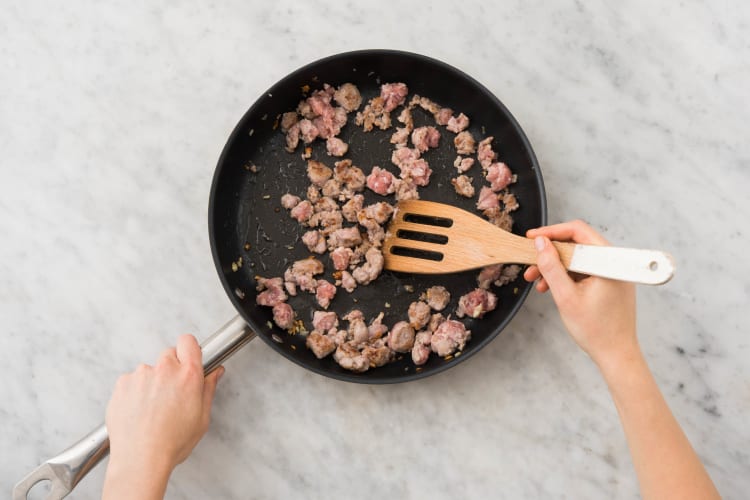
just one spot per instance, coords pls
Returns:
(168, 356)
(542, 286)
(554, 273)
(531, 274)
(209, 389)
(188, 350)
(576, 230)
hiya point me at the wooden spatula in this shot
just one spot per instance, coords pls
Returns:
(425, 237)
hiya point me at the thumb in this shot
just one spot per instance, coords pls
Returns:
(554, 273)
(209, 389)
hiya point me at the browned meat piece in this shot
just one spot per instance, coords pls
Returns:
(372, 267)
(318, 173)
(338, 336)
(345, 237)
(331, 189)
(313, 193)
(302, 211)
(425, 138)
(321, 345)
(400, 137)
(351, 208)
(401, 337)
(330, 122)
(465, 143)
(348, 282)
(324, 293)
(406, 189)
(272, 293)
(324, 320)
(341, 257)
(354, 314)
(377, 329)
(289, 201)
(349, 357)
(292, 138)
(378, 353)
(358, 333)
(393, 95)
(509, 202)
(348, 97)
(420, 353)
(380, 212)
(463, 164)
(435, 321)
(499, 176)
(463, 186)
(476, 303)
(412, 166)
(404, 156)
(457, 124)
(301, 274)
(419, 314)
(336, 147)
(500, 218)
(380, 180)
(487, 199)
(314, 241)
(325, 204)
(375, 232)
(283, 315)
(510, 273)
(328, 220)
(443, 116)
(488, 275)
(437, 297)
(406, 118)
(304, 109)
(374, 114)
(352, 177)
(288, 120)
(308, 131)
(485, 154)
(450, 336)
(320, 100)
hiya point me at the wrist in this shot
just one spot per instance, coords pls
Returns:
(619, 361)
(136, 477)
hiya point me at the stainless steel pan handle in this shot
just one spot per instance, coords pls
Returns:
(65, 470)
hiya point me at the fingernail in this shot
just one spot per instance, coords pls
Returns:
(221, 373)
(539, 243)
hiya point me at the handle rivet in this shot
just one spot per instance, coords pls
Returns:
(653, 265)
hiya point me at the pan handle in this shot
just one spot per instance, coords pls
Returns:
(65, 470)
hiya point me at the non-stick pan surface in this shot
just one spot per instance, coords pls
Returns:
(246, 220)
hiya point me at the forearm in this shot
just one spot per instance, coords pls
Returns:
(135, 479)
(664, 460)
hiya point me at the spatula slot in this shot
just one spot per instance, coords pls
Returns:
(420, 236)
(428, 220)
(417, 254)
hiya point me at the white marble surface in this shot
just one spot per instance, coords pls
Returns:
(112, 116)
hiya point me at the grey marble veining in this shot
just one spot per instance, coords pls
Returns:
(112, 116)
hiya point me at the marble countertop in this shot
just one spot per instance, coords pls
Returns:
(113, 115)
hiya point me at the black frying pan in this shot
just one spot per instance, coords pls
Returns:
(245, 220)
(244, 207)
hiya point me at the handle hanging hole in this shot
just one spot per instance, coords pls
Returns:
(653, 265)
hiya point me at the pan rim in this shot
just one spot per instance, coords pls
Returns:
(221, 163)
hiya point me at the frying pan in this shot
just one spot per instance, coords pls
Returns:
(252, 235)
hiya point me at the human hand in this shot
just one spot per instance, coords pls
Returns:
(599, 313)
(155, 418)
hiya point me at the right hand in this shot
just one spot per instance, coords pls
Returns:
(599, 313)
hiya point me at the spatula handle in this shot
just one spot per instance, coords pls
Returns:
(648, 267)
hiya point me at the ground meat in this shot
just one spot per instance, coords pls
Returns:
(463, 164)
(485, 154)
(371, 268)
(421, 350)
(358, 333)
(437, 297)
(348, 282)
(308, 131)
(374, 115)
(324, 320)
(289, 201)
(351, 208)
(443, 116)
(313, 193)
(338, 336)
(314, 241)
(321, 345)
(336, 147)
(301, 274)
(412, 166)
(380, 181)
(324, 293)
(406, 189)
(345, 237)
(328, 220)
(476, 303)
(499, 176)
(272, 293)
(419, 314)
(402, 157)
(435, 321)
(509, 202)
(424, 138)
(318, 173)
(393, 95)
(509, 273)
(500, 218)
(288, 120)
(350, 176)
(283, 315)
(488, 275)
(379, 212)
(377, 329)
(292, 138)
(354, 314)
(348, 97)
(487, 199)
(401, 136)
(457, 124)
(378, 353)
(465, 143)
(330, 122)
(331, 189)
(463, 186)
(450, 336)
(341, 257)
(401, 337)
(302, 211)
(349, 357)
